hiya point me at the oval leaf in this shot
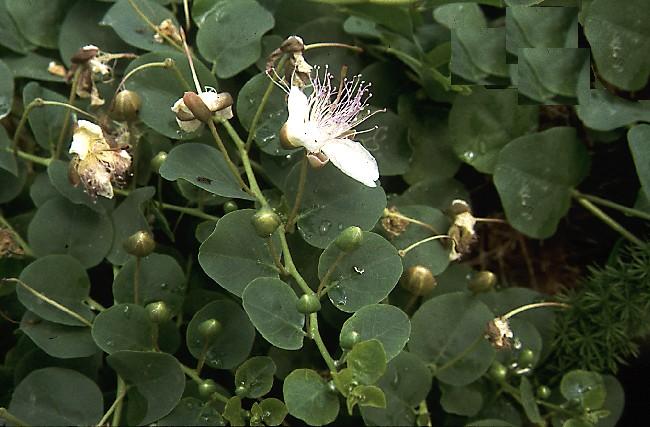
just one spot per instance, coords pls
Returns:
(123, 327)
(309, 398)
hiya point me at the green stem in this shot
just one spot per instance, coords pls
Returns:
(8, 416)
(201, 360)
(612, 205)
(222, 148)
(182, 209)
(254, 187)
(118, 399)
(403, 217)
(403, 252)
(315, 334)
(117, 412)
(301, 188)
(276, 257)
(50, 301)
(66, 117)
(526, 307)
(191, 373)
(36, 102)
(341, 45)
(290, 266)
(153, 26)
(608, 220)
(167, 63)
(22, 243)
(31, 158)
(94, 305)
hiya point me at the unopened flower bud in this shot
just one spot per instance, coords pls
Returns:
(196, 105)
(349, 239)
(158, 160)
(308, 303)
(265, 222)
(482, 281)
(140, 244)
(207, 387)
(418, 280)
(126, 106)
(349, 339)
(158, 312)
(230, 206)
(209, 329)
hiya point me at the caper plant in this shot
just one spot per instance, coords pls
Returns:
(287, 212)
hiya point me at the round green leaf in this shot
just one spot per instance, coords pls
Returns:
(7, 160)
(534, 176)
(478, 54)
(387, 143)
(128, 218)
(192, 411)
(366, 395)
(585, 386)
(614, 402)
(256, 376)
(367, 361)
(39, 20)
(433, 192)
(432, 255)
(233, 412)
(309, 398)
(271, 305)
(541, 27)
(273, 117)
(617, 32)
(386, 323)
(123, 327)
(160, 279)
(230, 35)
(31, 66)
(157, 379)
(203, 166)
(6, 89)
(10, 35)
(455, 347)
(60, 278)
(271, 411)
(57, 340)
(57, 171)
(483, 122)
(464, 400)
(81, 27)
(638, 138)
(159, 88)
(132, 28)
(233, 343)
(45, 122)
(61, 227)
(364, 276)
(56, 396)
(332, 201)
(10, 184)
(234, 254)
(405, 383)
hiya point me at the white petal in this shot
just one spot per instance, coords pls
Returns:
(298, 106)
(83, 137)
(188, 125)
(353, 160)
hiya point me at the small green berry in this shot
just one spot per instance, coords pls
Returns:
(158, 312)
(207, 387)
(265, 222)
(526, 358)
(230, 206)
(349, 239)
(158, 160)
(209, 329)
(543, 392)
(140, 244)
(308, 303)
(349, 339)
(498, 372)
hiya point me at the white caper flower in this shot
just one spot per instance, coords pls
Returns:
(323, 123)
(96, 164)
(219, 104)
(498, 332)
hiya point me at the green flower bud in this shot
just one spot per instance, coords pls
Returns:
(308, 303)
(349, 239)
(140, 244)
(526, 357)
(230, 206)
(265, 222)
(158, 312)
(158, 160)
(126, 106)
(207, 387)
(209, 329)
(349, 339)
(483, 281)
(418, 280)
(498, 372)
(543, 392)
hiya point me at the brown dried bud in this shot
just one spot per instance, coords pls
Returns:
(499, 334)
(459, 206)
(195, 104)
(73, 174)
(292, 44)
(393, 225)
(85, 54)
(418, 280)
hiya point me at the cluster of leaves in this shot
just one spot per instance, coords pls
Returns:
(247, 334)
